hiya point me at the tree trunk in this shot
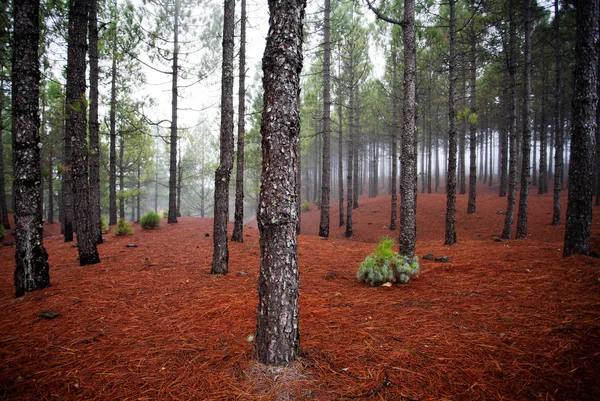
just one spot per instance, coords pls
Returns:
(50, 192)
(172, 214)
(179, 183)
(543, 176)
(112, 175)
(32, 270)
(597, 133)
(95, 211)
(3, 206)
(77, 131)
(503, 149)
(139, 191)
(357, 189)
(223, 173)
(471, 207)
(326, 166)
(277, 327)
(340, 151)
(238, 228)
(534, 167)
(558, 124)
(450, 234)
(512, 176)
(67, 182)
(408, 179)
(526, 149)
(350, 160)
(585, 102)
(121, 177)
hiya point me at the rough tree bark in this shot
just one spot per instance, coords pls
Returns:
(350, 159)
(93, 126)
(558, 127)
(512, 175)
(326, 175)
(408, 174)
(172, 213)
(3, 206)
(222, 175)
(238, 227)
(112, 174)
(526, 148)
(471, 206)
(32, 270)
(76, 131)
(585, 101)
(340, 151)
(394, 136)
(277, 329)
(450, 233)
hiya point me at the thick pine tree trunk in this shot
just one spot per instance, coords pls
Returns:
(597, 134)
(222, 174)
(31, 271)
(94, 126)
(450, 233)
(526, 148)
(512, 175)
(471, 207)
(77, 131)
(408, 178)
(277, 327)
(172, 213)
(326, 166)
(238, 227)
(585, 102)
(558, 124)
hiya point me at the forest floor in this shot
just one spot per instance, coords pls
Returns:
(503, 320)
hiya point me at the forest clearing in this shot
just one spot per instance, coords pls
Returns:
(503, 319)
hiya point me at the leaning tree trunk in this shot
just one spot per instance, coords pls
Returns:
(473, 129)
(222, 175)
(526, 150)
(238, 227)
(512, 175)
(76, 131)
(558, 127)
(277, 327)
(32, 270)
(93, 126)
(585, 102)
(326, 175)
(172, 213)
(450, 235)
(408, 178)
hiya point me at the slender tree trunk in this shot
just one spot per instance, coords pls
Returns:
(486, 137)
(121, 177)
(341, 151)
(3, 206)
(543, 177)
(395, 126)
(450, 235)
(238, 227)
(504, 149)
(512, 176)
(324, 222)
(558, 123)
(95, 211)
(139, 191)
(77, 131)
(112, 175)
(356, 165)
(583, 130)
(526, 151)
(471, 207)
(179, 182)
(350, 167)
(50, 192)
(222, 175)
(172, 214)
(408, 179)
(534, 167)
(156, 176)
(491, 165)
(67, 182)
(277, 327)
(32, 270)
(429, 134)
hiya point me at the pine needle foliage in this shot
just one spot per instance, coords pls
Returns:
(123, 228)
(150, 221)
(386, 266)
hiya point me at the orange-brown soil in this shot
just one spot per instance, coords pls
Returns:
(508, 320)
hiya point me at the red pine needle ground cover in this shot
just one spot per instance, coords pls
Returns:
(509, 320)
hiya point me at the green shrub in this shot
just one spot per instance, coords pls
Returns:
(165, 214)
(2, 232)
(123, 228)
(103, 225)
(386, 266)
(305, 205)
(150, 221)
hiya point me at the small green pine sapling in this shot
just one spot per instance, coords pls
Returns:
(386, 266)
(150, 221)
(123, 228)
